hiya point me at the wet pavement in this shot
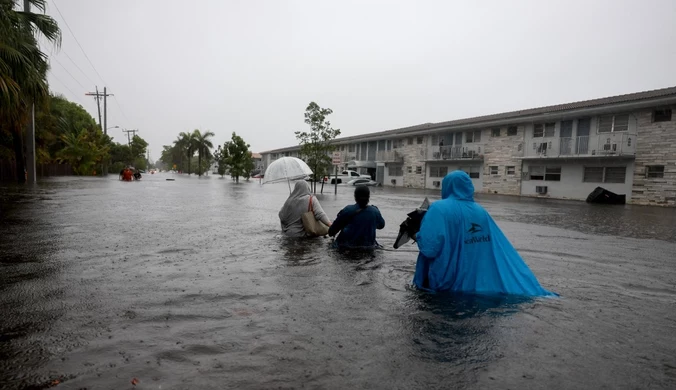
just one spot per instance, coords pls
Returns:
(188, 284)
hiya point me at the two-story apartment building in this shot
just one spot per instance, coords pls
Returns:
(626, 144)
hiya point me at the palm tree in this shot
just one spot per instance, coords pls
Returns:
(203, 145)
(23, 67)
(188, 143)
(179, 145)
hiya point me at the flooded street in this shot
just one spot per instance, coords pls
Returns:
(188, 284)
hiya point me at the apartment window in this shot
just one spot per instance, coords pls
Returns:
(438, 171)
(410, 141)
(418, 170)
(350, 148)
(593, 175)
(434, 140)
(604, 174)
(662, 115)
(510, 170)
(544, 129)
(495, 132)
(395, 170)
(537, 173)
(473, 136)
(553, 173)
(409, 169)
(655, 171)
(615, 174)
(474, 172)
(493, 170)
(420, 140)
(511, 130)
(613, 123)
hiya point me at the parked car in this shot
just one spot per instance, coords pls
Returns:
(362, 182)
(345, 176)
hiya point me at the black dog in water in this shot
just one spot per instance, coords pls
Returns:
(411, 226)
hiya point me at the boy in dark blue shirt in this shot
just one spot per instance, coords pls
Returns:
(357, 223)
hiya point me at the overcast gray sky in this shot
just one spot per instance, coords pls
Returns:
(253, 66)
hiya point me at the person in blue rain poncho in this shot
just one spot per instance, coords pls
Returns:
(463, 250)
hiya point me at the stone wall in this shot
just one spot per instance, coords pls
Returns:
(503, 151)
(655, 145)
(413, 156)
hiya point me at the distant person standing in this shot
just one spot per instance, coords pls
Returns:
(441, 147)
(357, 223)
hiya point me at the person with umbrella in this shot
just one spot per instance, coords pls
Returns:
(299, 202)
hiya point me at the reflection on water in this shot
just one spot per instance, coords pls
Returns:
(456, 328)
(190, 284)
(625, 221)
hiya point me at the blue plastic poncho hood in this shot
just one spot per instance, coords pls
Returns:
(463, 250)
(457, 185)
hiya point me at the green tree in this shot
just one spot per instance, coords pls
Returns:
(23, 68)
(221, 157)
(83, 150)
(315, 145)
(203, 145)
(187, 142)
(55, 118)
(238, 159)
(138, 148)
(172, 155)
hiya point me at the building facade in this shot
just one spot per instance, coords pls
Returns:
(625, 144)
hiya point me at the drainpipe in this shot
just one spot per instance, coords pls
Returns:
(521, 179)
(425, 175)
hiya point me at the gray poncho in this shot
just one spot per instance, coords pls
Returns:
(297, 204)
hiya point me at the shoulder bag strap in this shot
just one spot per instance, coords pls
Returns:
(309, 207)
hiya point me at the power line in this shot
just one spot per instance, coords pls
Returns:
(70, 74)
(80, 69)
(78, 43)
(65, 86)
(120, 107)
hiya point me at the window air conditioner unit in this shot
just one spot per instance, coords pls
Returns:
(394, 182)
(436, 183)
(541, 190)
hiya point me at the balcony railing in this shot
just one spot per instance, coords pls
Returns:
(389, 156)
(456, 152)
(610, 144)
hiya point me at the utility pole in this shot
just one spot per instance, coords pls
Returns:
(128, 136)
(97, 95)
(105, 112)
(30, 130)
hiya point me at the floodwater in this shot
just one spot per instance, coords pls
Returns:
(188, 284)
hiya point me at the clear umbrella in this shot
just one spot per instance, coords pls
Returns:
(286, 169)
